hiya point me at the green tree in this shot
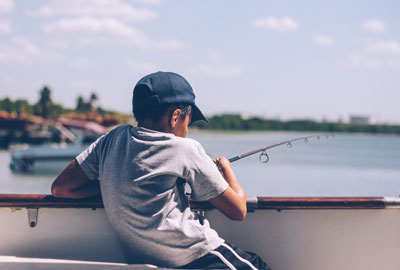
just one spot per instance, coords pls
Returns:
(100, 111)
(44, 107)
(6, 105)
(80, 104)
(22, 106)
(57, 110)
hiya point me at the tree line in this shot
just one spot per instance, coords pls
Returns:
(237, 122)
(45, 106)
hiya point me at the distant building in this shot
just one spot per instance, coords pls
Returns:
(359, 120)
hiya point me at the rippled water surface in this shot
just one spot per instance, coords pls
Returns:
(347, 165)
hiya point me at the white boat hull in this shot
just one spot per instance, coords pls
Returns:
(318, 239)
(309, 239)
(62, 233)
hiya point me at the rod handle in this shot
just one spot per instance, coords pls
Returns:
(234, 159)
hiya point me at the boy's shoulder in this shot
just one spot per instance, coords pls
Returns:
(118, 130)
(189, 146)
(179, 144)
(186, 142)
(115, 134)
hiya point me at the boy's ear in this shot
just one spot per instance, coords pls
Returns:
(176, 114)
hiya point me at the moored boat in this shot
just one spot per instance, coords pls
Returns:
(52, 158)
(289, 233)
(44, 158)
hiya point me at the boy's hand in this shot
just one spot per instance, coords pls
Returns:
(232, 202)
(223, 165)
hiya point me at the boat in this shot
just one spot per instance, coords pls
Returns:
(89, 130)
(306, 233)
(53, 157)
(31, 130)
(50, 158)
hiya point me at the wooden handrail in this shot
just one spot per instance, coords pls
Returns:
(47, 201)
(277, 203)
(321, 203)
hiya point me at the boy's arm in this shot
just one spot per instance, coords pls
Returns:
(232, 202)
(73, 183)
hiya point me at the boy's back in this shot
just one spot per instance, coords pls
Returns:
(142, 172)
(142, 175)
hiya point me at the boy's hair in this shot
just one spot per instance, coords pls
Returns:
(156, 113)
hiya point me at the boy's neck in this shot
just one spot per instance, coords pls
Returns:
(161, 126)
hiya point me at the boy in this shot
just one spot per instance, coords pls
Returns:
(142, 172)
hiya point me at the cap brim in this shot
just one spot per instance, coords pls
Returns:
(197, 115)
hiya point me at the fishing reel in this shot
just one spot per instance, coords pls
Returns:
(264, 158)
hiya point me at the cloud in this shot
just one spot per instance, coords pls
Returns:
(5, 26)
(91, 22)
(394, 63)
(6, 6)
(384, 47)
(19, 49)
(141, 67)
(214, 57)
(216, 71)
(374, 25)
(323, 40)
(376, 55)
(26, 45)
(283, 24)
(88, 30)
(169, 45)
(362, 60)
(149, 2)
(77, 63)
(82, 84)
(95, 8)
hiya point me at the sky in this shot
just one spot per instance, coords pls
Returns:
(320, 60)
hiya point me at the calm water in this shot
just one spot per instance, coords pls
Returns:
(347, 165)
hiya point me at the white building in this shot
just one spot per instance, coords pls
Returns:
(359, 120)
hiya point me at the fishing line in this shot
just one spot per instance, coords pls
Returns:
(264, 157)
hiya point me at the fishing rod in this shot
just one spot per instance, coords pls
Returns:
(264, 158)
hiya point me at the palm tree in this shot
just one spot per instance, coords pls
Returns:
(44, 107)
(93, 101)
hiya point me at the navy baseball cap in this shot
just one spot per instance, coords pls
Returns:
(164, 88)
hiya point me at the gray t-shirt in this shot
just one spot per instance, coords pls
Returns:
(142, 175)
